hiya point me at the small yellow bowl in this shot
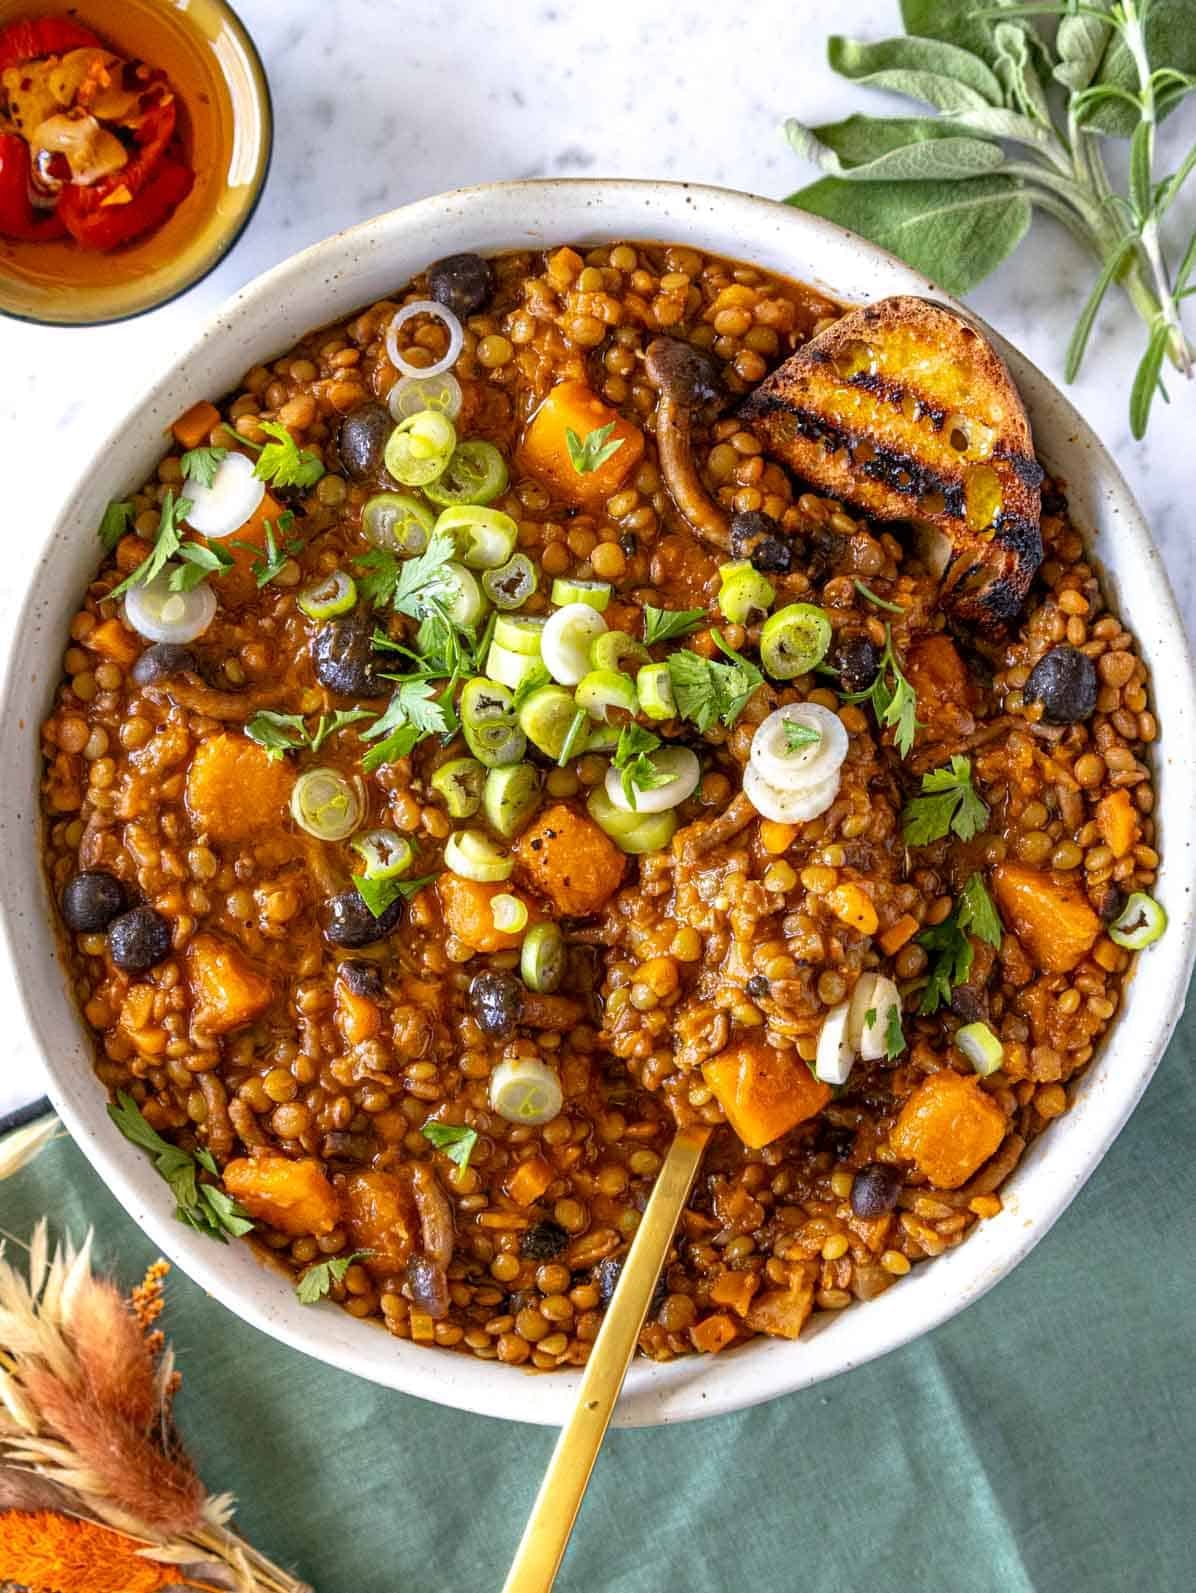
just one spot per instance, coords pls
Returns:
(227, 129)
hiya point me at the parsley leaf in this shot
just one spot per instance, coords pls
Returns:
(706, 690)
(204, 1207)
(317, 1280)
(978, 912)
(425, 578)
(397, 745)
(974, 913)
(667, 624)
(592, 452)
(870, 596)
(283, 463)
(331, 724)
(799, 736)
(378, 584)
(281, 733)
(114, 523)
(167, 543)
(201, 464)
(869, 1017)
(199, 561)
(948, 803)
(412, 713)
(454, 1139)
(894, 1037)
(633, 757)
(267, 564)
(894, 701)
(378, 894)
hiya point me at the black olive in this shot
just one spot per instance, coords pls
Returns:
(758, 987)
(1109, 900)
(874, 1190)
(855, 660)
(495, 999)
(628, 544)
(350, 923)
(606, 1276)
(462, 283)
(543, 1241)
(343, 654)
(1064, 682)
(362, 438)
(833, 1139)
(968, 1004)
(92, 900)
(161, 661)
(686, 373)
(362, 978)
(757, 536)
(138, 939)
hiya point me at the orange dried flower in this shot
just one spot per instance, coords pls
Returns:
(44, 1550)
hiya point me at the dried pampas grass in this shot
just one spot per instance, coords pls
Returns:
(23, 1144)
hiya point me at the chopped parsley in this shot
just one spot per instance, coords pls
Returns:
(201, 464)
(454, 1139)
(199, 561)
(282, 733)
(948, 803)
(416, 587)
(166, 544)
(317, 1280)
(282, 462)
(594, 450)
(379, 894)
(708, 691)
(799, 736)
(269, 562)
(973, 914)
(415, 711)
(870, 596)
(114, 523)
(894, 1036)
(893, 699)
(667, 624)
(205, 1207)
(632, 757)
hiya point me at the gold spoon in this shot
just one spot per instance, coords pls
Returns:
(546, 1535)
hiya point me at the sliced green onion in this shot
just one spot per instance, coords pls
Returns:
(510, 797)
(460, 783)
(486, 537)
(397, 521)
(411, 394)
(568, 636)
(488, 721)
(509, 913)
(595, 594)
(542, 958)
(386, 853)
(325, 599)
(326, 805)
(575, 738)
(475, 473)
(465, 604)
(631, 832)
(606, 694)
(601, 737)
(526, 1091)
(617, 650)
(521, 633)
(420, 448)
(654, 688)
(511, 668)
(981, 1047)
(545, 719)
(473, 855)
(793, 640)
(744, 592)
(1140, 924)
(512, 583)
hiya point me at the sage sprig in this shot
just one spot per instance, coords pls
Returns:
(1017, 126)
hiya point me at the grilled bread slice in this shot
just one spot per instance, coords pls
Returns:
(906, 411)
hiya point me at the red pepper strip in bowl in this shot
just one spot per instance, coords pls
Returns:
(83, 209)
(117, 224)
(31, 37)
(18, 218)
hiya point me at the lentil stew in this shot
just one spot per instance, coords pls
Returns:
(459, 778)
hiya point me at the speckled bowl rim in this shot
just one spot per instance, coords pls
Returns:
(356, 267)
(224, 243)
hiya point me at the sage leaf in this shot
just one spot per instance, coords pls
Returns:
(996, 122)
(1017, 73)
(1083, 328)
(939, 74)
(1169, 29)
(856, 140)
(1146, 380)
(947, 159)
(954, 233)
(1080, 45)
(954, 23)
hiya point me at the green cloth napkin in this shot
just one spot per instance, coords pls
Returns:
(1041, 1441)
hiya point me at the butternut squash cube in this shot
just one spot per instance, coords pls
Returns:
(380, 1214)
(1048, 913)
(293, 1196)
(226, 992)
(781, 1313)
(948, 1128)
(544, 451)
(235, 790)
(763, 1092)
(567, 859)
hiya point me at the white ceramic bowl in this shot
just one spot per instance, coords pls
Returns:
(355, 268)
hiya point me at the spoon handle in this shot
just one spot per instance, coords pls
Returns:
(546, 1535)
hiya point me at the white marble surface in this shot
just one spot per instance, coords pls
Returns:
(379, 103)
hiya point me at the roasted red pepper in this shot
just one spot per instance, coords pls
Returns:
(117, 224)
(31, 37)
(81, 208)
(18, 218)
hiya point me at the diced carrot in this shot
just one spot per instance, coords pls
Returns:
(852, 905)
(226, 993)
(357, 1017)
(775, 837)
(293, 1196)
(712, 1333)
(736, 1290)
(940, 677)
(467, 907)
(1117, 821)
(762, 1091)
(379, 1212)
(136, 1021)
(897, 934)
(195, 425)
(544, 450)
(948, 1128)
(114, 641)
(529, 1181)
(781, 1313)
(245, 547)
(567, 859)
(235, 790)
(1048, 913)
